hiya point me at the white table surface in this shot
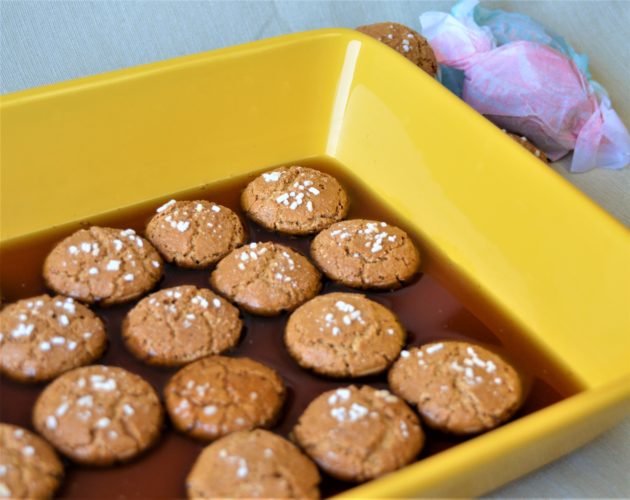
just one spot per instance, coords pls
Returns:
(49, 41)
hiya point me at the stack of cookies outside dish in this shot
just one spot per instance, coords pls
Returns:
(103, 415)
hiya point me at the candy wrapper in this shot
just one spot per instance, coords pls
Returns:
(528, 80)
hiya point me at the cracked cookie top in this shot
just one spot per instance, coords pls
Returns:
(405, 41)
(357, 434)
(104, 265)
(458, 387)
(29, 467)
(266, 278)
(218, 395)
(99, 415)
(177, 325)
(42, 337)
(344, 335)
(195, 234)
(253, 464)
(366, 254)
(295, 200)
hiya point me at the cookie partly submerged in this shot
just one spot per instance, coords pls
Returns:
(253, 464)
(405, 41)
(295, 200)
(29, 467)
(195, 234)
(99, 415)
(344, 335)
(366, 254)
(356, 434)
(218, 395)
(459, 388)
(177, 325)
(266, 278)
(42, 337)
(104, 265)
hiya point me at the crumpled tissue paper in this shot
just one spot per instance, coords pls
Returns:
(529, 81)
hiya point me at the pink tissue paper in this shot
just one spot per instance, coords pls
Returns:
(531, 89)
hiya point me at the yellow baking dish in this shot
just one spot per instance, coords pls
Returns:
(531, 253)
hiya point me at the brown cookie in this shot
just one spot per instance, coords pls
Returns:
(458, 387)
(253, 464)
(295, 200)
(529, 146)
(405, 41)
(29, 467)
(42, 337)
(99, 415)
(266, 278)
(366, 254)
(356, 434)
(104, 265)
(344, 335)
(177, 325)
(217, 395)
(195, 234)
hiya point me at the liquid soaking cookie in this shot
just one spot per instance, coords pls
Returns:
(177, 325)
(344, 335)
(405, 41)
(357, 434)
(366, 254)
(266, 278)
(458, 387)
(99, 415)
(295, 200)
(42, 337)
(104, 265)
(218, 395)
(195, 234)
(253, 464)
(29, 467)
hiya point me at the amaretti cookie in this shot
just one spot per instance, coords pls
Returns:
(266, 278)
(295, 200)
(99, 415)
(218, 395)
(459, 388)
(344, 335)
(104, 265)
(528, 145)
(253, 464)
(177, 325)
(195, 234)
(356, 434)
(405, 41)
(29, 467)
(42, 337)
(366, 254)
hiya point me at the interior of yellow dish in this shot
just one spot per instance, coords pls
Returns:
(531, 253)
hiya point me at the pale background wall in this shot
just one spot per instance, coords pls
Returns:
(43, 42)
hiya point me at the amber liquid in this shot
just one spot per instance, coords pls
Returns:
(426, 308)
